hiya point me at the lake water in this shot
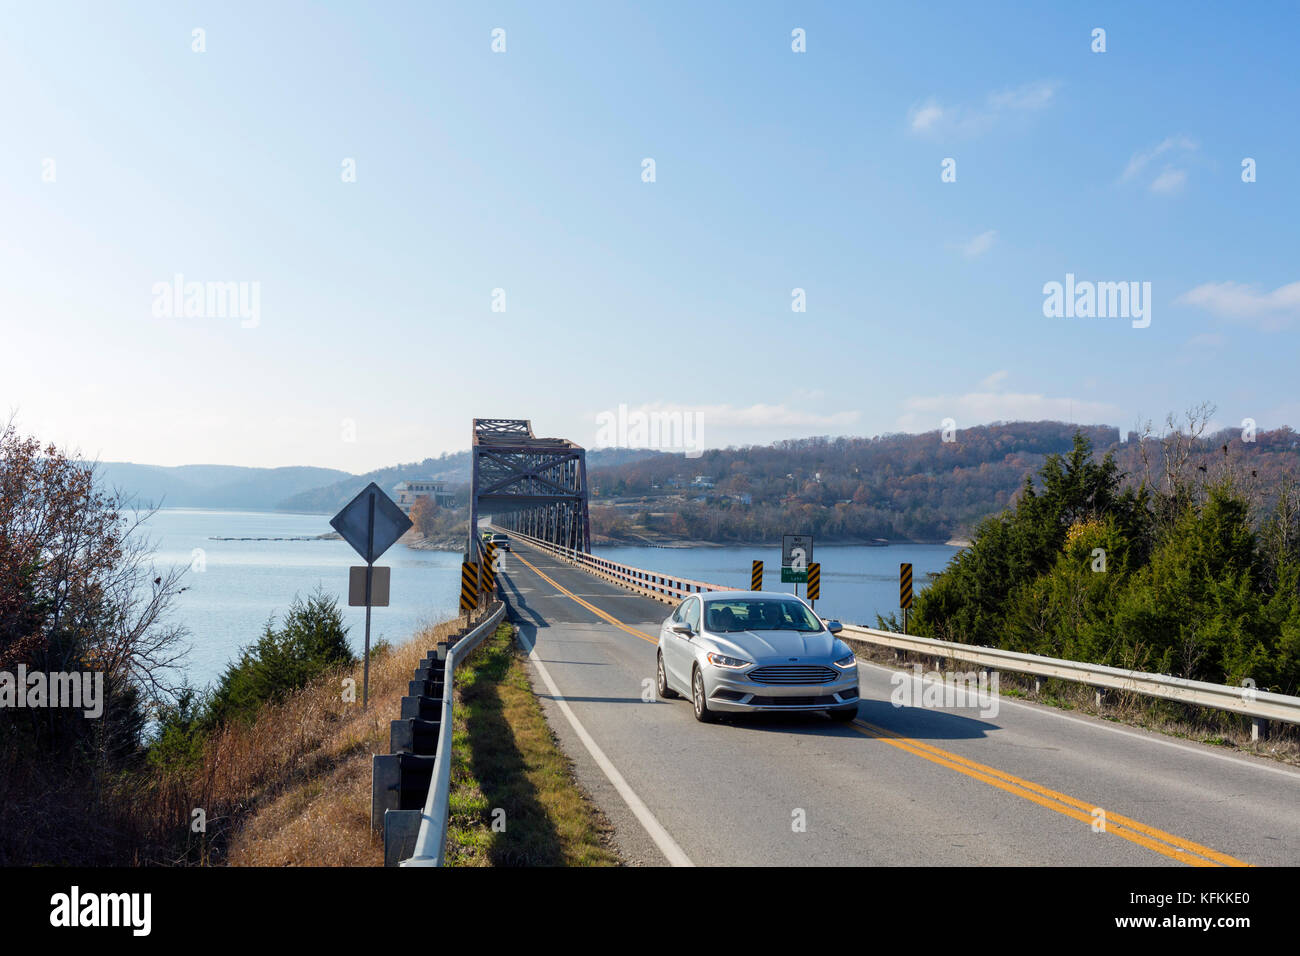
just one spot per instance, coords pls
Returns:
(243, 583)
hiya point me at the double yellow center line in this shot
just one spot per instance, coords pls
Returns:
(603, 615)
(1158, 841)
(1166, 844)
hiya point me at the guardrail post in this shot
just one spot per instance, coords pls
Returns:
(1099, 696)
(401, 827)
(398, 782)
(1258, 729)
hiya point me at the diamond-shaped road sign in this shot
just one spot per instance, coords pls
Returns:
(371, 522)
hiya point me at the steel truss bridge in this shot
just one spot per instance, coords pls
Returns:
(537, 486)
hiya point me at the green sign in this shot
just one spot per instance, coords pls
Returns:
(794, 575)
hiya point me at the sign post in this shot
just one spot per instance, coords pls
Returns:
(370, 522)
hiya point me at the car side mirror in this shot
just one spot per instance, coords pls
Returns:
(834, 626)
(684, 630)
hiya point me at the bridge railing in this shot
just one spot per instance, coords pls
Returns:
(668, 588)
(1247, 701)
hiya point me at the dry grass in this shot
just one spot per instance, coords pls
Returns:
(291, 788)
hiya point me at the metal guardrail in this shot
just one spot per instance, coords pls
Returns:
(662, 587)
(1247, 701)
(431, 838)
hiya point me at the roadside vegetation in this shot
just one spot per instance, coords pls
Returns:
(514, 798)
(78, 595)
(1191, 570)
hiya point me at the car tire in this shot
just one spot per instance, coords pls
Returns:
(661, 680)
(842, 714)
(698, 700)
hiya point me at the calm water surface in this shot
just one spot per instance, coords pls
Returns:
(244, 583)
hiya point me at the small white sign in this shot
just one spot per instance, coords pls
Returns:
(378, 586)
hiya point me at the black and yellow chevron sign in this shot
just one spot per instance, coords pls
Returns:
(756, 577)
(487, 574)
(905, 585)
(468, 586)
(814, 580)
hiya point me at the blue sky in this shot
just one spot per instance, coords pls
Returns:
(375, 339)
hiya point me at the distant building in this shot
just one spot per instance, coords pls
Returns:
(408, 491)
(702, 481)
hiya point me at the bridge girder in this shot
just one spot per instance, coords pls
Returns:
(529, 484)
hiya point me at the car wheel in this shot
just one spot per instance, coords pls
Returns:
(702, 712)
(843, 715)
(661, 679)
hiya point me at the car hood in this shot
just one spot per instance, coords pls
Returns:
(758, 646)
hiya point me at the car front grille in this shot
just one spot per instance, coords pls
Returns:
(757, 701)
(793, 674)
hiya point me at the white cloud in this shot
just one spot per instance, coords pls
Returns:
(933, 118)
(994, 380)
(924, 413)
(1169, 181)
(1244, 303)
(979, 245)
(926, 117)
(1031, 96)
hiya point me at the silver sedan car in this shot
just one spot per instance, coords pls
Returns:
(750, 651)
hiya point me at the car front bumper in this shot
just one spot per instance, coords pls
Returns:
(732, 692)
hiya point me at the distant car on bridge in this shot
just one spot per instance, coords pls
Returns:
(752, 651)
(501, 541)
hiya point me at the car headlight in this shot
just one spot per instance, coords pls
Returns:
(847, 662)
(722, 660)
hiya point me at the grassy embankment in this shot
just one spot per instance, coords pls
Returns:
(303, 797)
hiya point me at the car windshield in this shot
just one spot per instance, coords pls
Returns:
(760, 615)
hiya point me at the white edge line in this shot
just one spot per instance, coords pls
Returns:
(1150, 737)
(663, 840)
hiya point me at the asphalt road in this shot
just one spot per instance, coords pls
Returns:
(1028, 785)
